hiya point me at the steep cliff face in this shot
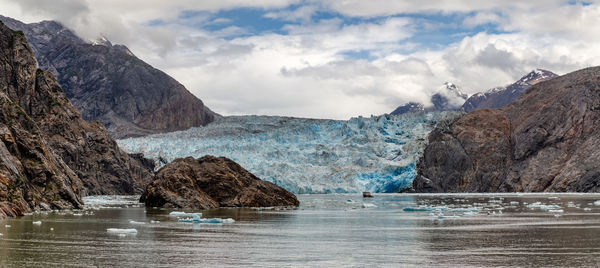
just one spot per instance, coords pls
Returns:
(109, 84)
(547, 140)
(49, 156)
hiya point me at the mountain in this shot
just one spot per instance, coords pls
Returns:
(49, 156)
(109, 84)
(501, 96)
(548, 140)
(448, 98)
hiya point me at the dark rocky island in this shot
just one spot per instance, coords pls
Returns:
(49, 156)
(546, 141)
(211, 182)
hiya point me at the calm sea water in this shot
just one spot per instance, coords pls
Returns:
(391, 230)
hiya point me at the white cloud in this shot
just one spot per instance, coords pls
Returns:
(307, 71)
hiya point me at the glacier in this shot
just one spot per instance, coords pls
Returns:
(376, 154)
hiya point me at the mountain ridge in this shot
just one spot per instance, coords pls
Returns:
(109, 84)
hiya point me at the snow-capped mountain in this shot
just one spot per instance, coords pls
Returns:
(449, 97)
(375, 154)
(501, 96)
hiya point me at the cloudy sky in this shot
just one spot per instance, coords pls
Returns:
(334, 58)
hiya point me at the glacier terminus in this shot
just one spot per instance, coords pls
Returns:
(376, 153)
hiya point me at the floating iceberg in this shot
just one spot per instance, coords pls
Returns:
(418, 209)
(597, 203)
(369, 205)
(136, 222)
(37, 223)
(121, 231)
(183, 214)
(196, 218)
(376, 154)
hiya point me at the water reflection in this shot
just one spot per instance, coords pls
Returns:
(326, 230)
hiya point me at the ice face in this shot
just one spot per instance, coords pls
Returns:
(375, 154)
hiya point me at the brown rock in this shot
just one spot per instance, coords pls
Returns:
(211, 182)
(49, 156)
(547, 140)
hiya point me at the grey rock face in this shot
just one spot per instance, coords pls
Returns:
(107, 83)
(547, 140)
(502, 96)
(49, 156)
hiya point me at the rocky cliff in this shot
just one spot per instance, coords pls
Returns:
(211, 182)
(547, 140)
(107, 83)
(49, 156)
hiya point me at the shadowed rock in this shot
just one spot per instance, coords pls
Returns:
(49, 156)
(211, 182)
(547, 140)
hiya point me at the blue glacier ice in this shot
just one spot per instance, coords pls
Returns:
(376, 154)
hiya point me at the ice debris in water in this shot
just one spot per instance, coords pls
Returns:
(376, 154)
(197, 218)
(7, 226)
(183, 214)
(368, 205)
(121, 231)
(597, 203)
(37, 223)
(136, 222)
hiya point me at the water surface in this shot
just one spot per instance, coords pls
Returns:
(550, 230)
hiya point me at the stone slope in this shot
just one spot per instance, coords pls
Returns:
(49, 156)
(211, 182)
(109, 84)
(547, 140)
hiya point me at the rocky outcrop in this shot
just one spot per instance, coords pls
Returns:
(49, 156)
(211, 182)
(107, 83)
(547, 140)
(502, 96)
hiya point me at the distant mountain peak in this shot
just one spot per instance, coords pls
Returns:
(501, 96)
(536, 76)
(102, 41)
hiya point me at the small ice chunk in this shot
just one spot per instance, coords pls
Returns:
(420, 208)
(153, 221)
(597, 203)
(368, 205)
(7, 226)
(37, 223)
(514, 202)
(556, 211)
(78, 214)
(121, 231)
(587, 209)
(210, 220)
(136, 222)
(182, 214)
(51, 229)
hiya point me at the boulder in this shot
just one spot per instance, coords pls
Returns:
(211, 182)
